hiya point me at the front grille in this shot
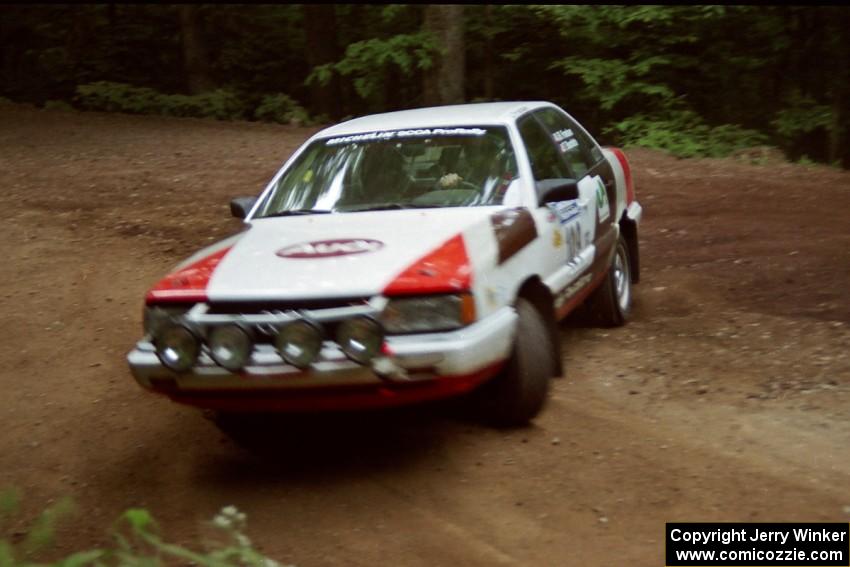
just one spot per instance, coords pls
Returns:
(245, 307)
(266, 333)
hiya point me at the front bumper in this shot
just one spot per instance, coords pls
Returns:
(413, 368)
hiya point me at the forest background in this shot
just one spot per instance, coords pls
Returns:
(692, 80)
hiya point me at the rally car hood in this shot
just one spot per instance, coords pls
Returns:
(335, 255)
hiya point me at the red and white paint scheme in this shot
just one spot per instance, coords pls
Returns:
(456, 231)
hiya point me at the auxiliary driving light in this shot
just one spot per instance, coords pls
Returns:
(230, 347)
(299, 343)
(177, 347)
(360, 338)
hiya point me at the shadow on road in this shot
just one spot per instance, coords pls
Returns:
(331, 447)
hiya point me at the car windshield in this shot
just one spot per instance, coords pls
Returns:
(395, 169)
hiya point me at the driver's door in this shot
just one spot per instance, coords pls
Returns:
(573, 221)
(586, 163)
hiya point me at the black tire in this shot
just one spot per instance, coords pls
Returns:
(610, 305)
(518, 393)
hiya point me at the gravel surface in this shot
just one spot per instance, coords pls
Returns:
(725, 399)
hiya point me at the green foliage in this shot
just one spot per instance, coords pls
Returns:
(60, 105)
(9, 502)
(137, 542)
(684, 134)
(365, 62)
(282, 109)
(627, 54)
(220, 104)
(780, 70)
(801, 116)
(615, 80)
(40, 534)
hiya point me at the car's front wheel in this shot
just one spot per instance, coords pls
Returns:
(518, 393)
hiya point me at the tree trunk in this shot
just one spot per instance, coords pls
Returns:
(489, 65)
(320, 33)
(838, 21)
(834, 146)
(79, 36)
(444, 81)
(195, 57)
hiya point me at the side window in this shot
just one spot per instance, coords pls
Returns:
(545, 162)
(580, 152)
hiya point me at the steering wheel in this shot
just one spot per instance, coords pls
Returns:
(465, 185)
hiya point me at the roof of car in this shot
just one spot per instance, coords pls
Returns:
(478, 114)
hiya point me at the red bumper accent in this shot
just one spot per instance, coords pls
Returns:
(337, 398)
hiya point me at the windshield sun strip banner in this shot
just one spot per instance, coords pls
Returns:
(411, 133)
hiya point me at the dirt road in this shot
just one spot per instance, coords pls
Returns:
(728, 400)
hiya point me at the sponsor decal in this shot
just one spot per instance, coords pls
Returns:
(571, 290)
(393, 134)
(565, 210)
(602, 201)
(330, 248)
(562, 135)
(574, 240)
(567, 145)
(557, 238)
(565, 140)
(514, 229)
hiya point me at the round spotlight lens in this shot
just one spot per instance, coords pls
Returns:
(299, 343)
(177, 347)
(230, 347)
(360, 339)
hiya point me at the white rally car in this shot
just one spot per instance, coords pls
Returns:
(399, 258)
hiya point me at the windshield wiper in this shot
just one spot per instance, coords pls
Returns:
(295, 212)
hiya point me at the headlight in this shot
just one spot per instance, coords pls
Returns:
(156, 317)
(177, 347)
(424, 314)
(230, 347)
(299, 343)
(360, 338)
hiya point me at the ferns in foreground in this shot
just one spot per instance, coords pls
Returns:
(137, 541)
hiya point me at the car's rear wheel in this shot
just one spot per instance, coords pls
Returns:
(611, 303)
(518, 393)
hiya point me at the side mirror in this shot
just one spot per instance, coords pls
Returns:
(240, 206)
(554, 190)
